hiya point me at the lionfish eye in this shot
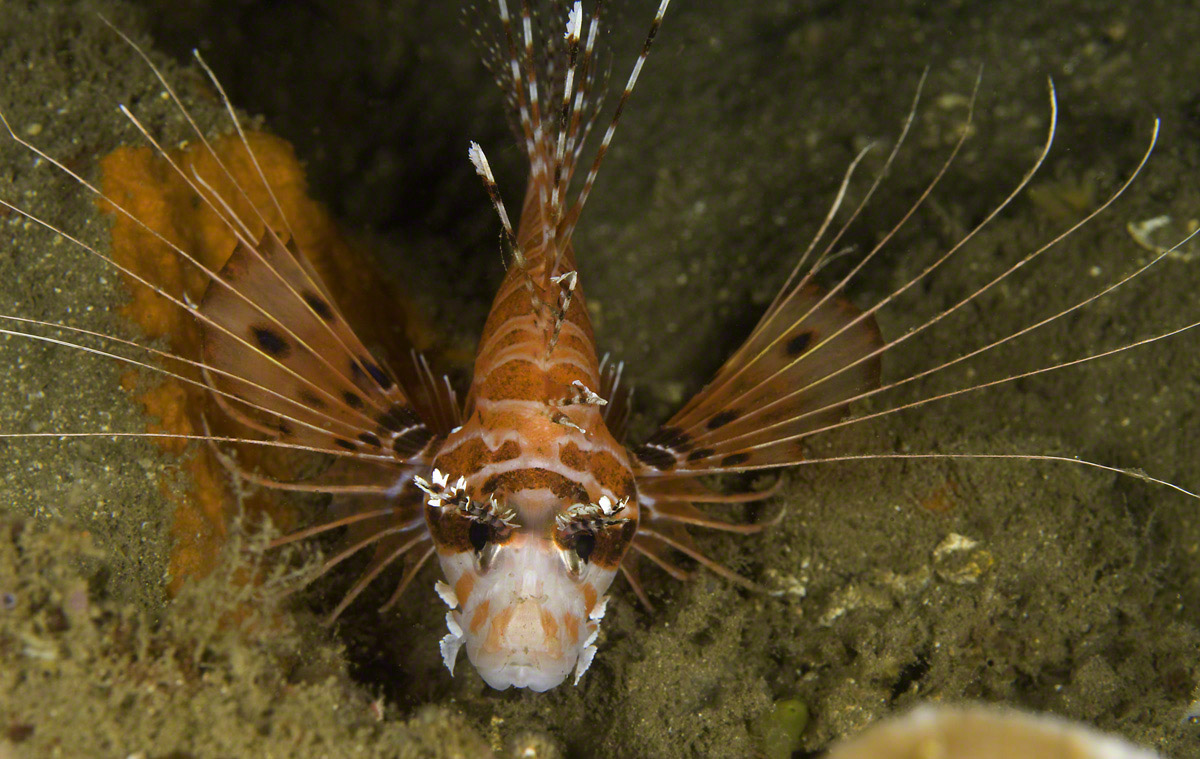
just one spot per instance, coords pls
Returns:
(577, 550)
(486, 556)
(571, 558)
(489, 524)
(480, 534)
(486, 538)
(584, 544)
(487, 535)
(579, 526)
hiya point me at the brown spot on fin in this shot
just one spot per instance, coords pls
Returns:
(794, 374)
(292, 356)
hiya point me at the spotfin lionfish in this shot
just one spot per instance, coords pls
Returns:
(525, 491)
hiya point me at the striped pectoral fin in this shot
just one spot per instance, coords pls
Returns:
(796, 374)
(667, 512)
(659, 553)
(415, 547)
(345, 478)
(279, 347)
(629, 570)
(388, 524)
(685, 513)
(396, 536)
(661, 539)
(689, 489)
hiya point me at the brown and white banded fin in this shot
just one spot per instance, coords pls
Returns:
(667, 510)
(274, 338)
(345, 477)
(292, 340)
(390, 545)
(432, 395)
(362, 515)
(796, 373)
(661, 540)
(281, 358)
(407, 537)
(691, 490)
(545, 61)
(260, 365)
(629, 570)
(392, 525)
(572, 215)
(653, 547)
(683, 512)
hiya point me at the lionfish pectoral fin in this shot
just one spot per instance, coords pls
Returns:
(662, 536)
(689, 489)
(629, 570)
(656, 540)
(277, 344)
(654, 548)
(377, 481)
(668, 509)
(809, 357)
(685, 513)
(387, 552)
(281, 359)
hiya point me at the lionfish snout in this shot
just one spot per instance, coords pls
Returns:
(526, 621)
(524, 582)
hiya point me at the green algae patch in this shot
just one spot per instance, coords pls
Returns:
(223, 672)
(781, 727)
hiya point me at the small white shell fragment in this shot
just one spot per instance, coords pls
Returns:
(1161, 234)
(977, 732)
(953, 542)
(960, 560)
(852, 597)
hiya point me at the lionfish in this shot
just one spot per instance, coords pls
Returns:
(525, 491)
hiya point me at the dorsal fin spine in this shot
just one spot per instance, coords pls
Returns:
(581, 200)
(553, 145)
(574, 24)
(518, 86)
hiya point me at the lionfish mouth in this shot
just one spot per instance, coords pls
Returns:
(522, 674)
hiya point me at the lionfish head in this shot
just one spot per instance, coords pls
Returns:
(526, 599)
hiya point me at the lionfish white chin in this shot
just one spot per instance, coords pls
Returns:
(525, 492)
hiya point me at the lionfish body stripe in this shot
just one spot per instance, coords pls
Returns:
(525, 492)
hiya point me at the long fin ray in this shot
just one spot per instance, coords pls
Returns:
(773, 438)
